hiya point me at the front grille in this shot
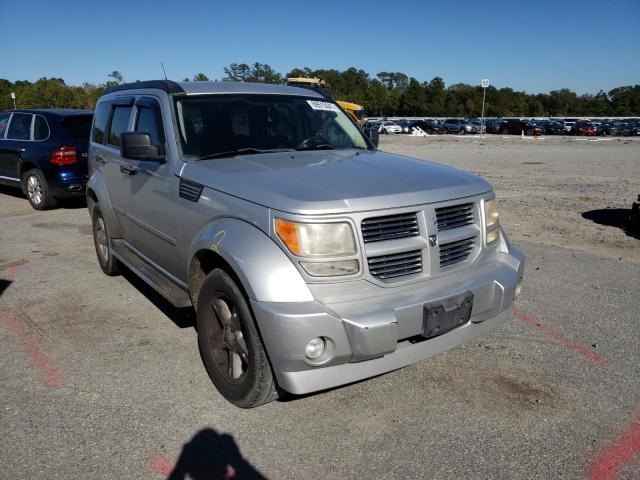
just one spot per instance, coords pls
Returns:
(456, 252)
(389, 227)
(454, 216)
(395, 265)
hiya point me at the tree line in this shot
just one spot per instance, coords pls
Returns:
(385, 94)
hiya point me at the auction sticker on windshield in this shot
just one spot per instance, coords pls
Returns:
(327, 106)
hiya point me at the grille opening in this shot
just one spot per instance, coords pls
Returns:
(395, 265)
(456, 252)
(454, 216)
(389, 227)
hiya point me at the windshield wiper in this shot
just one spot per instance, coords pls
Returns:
(243, 151)
(323, 146)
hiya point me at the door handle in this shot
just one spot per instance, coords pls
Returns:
(128, 169)
(100, 160)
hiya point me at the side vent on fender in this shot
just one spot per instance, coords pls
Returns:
(190, 190)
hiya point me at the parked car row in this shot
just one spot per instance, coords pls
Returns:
(570, 126)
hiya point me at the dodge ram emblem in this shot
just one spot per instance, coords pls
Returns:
(433, 240)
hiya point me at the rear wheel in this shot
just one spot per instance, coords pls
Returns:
(37, 190)
(230, 345)
(102, 241)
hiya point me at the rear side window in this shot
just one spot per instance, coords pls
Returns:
(20, 127)
(40, 128)
(150, 121)
(77, 128)
(4, 119)
(119, 124)
(100, 122)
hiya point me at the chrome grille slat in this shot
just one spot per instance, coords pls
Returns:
(455, 252)
(454, 216)
(395, 265)
(389, 227)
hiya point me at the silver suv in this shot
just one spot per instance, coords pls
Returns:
(311, 258)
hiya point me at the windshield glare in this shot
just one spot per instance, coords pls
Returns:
(212, 124)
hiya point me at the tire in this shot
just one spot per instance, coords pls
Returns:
(102, 242)
(37, 190)
(230, 344)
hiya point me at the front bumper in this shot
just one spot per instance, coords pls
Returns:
(378, 329)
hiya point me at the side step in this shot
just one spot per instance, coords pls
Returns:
(156, 280)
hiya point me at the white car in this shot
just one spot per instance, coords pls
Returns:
(390, 127)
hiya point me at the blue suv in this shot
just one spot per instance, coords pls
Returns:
(44, 152)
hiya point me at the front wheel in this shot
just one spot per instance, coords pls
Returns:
(230, 345)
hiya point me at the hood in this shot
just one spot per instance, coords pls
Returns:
(333, 181)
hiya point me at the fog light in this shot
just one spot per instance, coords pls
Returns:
(314, 348)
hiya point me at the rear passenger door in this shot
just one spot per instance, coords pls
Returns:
(153, 193)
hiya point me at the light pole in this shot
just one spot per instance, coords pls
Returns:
(13, 96)
(484, 84)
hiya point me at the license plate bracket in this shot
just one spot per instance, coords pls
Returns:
(444, 315)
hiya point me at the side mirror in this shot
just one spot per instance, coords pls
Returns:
(373, 134)
(137, 146)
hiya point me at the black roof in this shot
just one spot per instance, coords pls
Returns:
(168, 86)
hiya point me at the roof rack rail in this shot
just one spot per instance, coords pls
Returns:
(168, 86)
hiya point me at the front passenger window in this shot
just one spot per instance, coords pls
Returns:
(119, 124)
(150, 121)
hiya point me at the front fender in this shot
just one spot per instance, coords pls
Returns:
(265, 271)
(98, 186)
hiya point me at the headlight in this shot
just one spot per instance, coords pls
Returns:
(317, 239)
(491, 212)
(492, 220)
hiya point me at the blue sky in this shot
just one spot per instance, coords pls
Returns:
(532, 46)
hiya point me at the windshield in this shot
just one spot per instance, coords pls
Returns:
(214, 125)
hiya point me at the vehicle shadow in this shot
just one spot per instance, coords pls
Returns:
(182, 317)
(12, 192)
(211, 456)
(70, 203)
(614, 217)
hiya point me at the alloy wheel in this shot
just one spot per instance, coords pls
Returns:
(34, 190)
(228, 345)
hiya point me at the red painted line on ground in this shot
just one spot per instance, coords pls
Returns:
(10, 273)
(161, 465)
(613, 457)
(560, 338)
(51, 375)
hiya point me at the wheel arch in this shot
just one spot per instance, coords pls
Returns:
(261, 268)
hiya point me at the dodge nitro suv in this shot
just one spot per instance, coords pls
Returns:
(312, 259)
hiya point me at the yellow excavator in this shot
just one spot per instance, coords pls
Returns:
(355, 111)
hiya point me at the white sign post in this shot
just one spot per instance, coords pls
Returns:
(13, 95)
(484, 83)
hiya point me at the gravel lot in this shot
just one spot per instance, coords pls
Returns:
(101, 378)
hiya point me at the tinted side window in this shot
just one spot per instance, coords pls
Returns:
(150, 121)
(4, 119)
(119, 123)
(40, 128)
(100, 122)
(20, 127)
